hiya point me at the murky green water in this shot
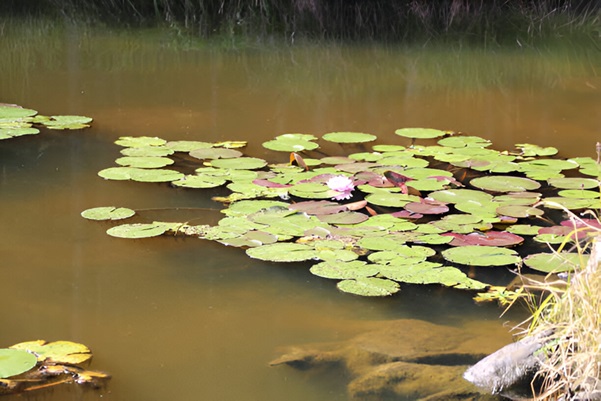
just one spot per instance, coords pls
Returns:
(186, 319)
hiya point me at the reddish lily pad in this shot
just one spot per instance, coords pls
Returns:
(489, 238)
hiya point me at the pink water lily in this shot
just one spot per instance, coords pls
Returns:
(343, 185)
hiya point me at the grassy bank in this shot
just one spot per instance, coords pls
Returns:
(488, 22)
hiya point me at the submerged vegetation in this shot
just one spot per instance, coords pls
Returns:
(490, 22)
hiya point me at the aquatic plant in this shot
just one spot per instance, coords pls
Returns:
(39, 364)
(373, 219)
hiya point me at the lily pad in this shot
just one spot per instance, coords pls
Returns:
(240, 163)
(489, 238)
(420, 133)
(555, 262)
(154, 151)
(464, 141)
(187, 146)
(7, 133)
(144, 161)
(344, 270)
(154, 175)
(460, 195)
(349, 137)
(140, 230)
(579, 193)
(215, 153)
(292, 143)
(392, 200)
(519, 211)
(530, 150)
(574, 183)
(67, 122)
(15, 361)
(504, 183)
(431, 273)
(15, 112)
(369, 287)
(523, 229)
(282, 252)
(139, 141)
(107, 213)
(56, 352)
(476, 255)
(199, 181)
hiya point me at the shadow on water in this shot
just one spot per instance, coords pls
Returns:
(190, 319)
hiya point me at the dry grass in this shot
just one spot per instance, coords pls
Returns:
(572, 367)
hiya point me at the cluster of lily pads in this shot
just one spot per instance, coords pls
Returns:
(18, 121)
(384, 215)
(39, 364)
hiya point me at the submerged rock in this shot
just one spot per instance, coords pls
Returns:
(408, 359)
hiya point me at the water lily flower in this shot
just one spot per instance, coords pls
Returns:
(343, 185)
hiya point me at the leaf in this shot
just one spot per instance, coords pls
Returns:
(282, 252)
(369, 287)
(240, 163)
(67, 122)
(139, 141)
(56, 352)
(421, 133)
(555, 262)
(489, 238)
(144, 161)
(140, 230)
(15, 361)
(349, 137)
(344, 270)
(212, 153)
(12, 111)
(464, 141)
(187, 146)
(107, 213)
(392, 200)
(475, 255)
(199, 181)
(504, 183)
(7, 133)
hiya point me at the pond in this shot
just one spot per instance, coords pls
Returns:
(189, 319)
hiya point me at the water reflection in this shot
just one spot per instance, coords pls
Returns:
(189, 319)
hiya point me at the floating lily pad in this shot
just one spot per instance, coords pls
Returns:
(391, 200)
(139, 141)
(476, 255)
(240, 163)
(107, 213)
(349, 137)
(555, 262)
(558, 202)
(504, 183)
(292, 143)
(344, 270)
(144, 161)
(7, 133)
(154, 151)
(14, 112)
(116, 173)
(139, 230)
(154, 175)
(420, 133)
(282, 252)
(464, 141)
(15, 361)
(427, 207)
(344, 218)
(369, 287)
(579, 193)
(460, 195)
(199, 181)
(530, 150)
(523, 229)
(56, 352)
(67, 122)
(431, 273)
(187, 146)
(519, 211)
(215, 153)
(574, 183)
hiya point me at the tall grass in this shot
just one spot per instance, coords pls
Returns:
(493, 21)
(571, 368)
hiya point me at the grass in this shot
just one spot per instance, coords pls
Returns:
(572, 310)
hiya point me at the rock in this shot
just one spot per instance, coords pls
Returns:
(410, 359)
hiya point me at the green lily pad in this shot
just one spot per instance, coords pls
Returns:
(139, 141)
(530, 150)
(199, 181)
(14, 361)
(67, 122)
(519, 211)
(464, 141)
(107, 213)
(504, 183)
(154, 151)
(140, 230)
(187, 146)
(579, 193)
(344, 270)
(523, 229)
(282, 252)
(154, 175)
(574, 183)
(240, 163)
(144, 161)
(14, 112)
(349, 137)
(369, 286)
(420, 133)
(248, 207)
(431, 273)
(56, 352)
(391, 200)
(460, 195)
(344, 218)
(388, 148)
(116, 173)
(8, 133)
(476, 255)
(215, 153)
(555, 262)
(558, 202)
(292, 143)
